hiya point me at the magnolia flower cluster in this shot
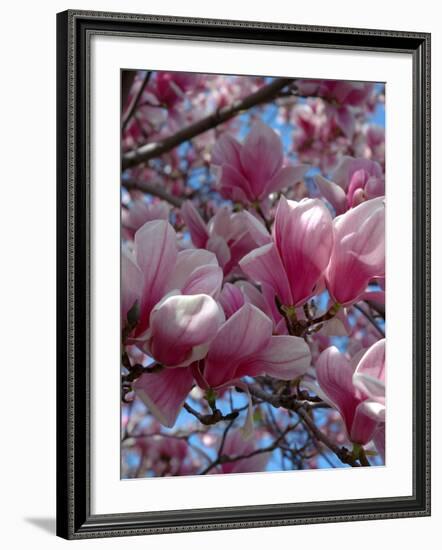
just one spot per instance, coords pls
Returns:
(205, 331)
(261, 282)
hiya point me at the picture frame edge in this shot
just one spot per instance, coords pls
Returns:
(73, 489)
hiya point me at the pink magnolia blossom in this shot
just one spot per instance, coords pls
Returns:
(344, 92)
(352, 182)
(359, 395)
(213, 286)
(164, 392)
(181, 327)
(369, 380)
(317, 139)
(170, 87)
(228, 235)
(293, 265)
(362, 179)
(250, 172)
(243, 346)
(341, 97)
(358, 252)
(175, 293)
(371, 143)
(376, 143)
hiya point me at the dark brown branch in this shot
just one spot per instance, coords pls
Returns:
(134, 104)
(378, 307)
(135, 371)
(155, 149)
(155, 190)
(213, 418)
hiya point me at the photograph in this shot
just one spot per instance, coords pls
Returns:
(253, 280)
(222, 232)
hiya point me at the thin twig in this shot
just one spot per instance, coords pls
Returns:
(288, 402)
(134, 104)
(222, 459)
(379, 308)
(370, 319)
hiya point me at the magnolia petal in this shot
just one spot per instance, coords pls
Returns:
(180, 324)
(374, 410)
(164, 393)
(285, 357)
(303, 235)
(334, 374)
(254, 296)
(206, 279)
(222, 223)
(188, 261)
(340, 174)
(264, 266)
(231, 299)
(374, 296)
(359, 251)
(220, 248)
(333, 193)
(141, 212)
(286, 177)
(373, 361)
(369, 376)
(369, 386)
(261, 157)
(195, 224)
(255, 228)
(234, 186)
(131, 283)
(244, 334)
(346, 121)
(156, 254)
(375, 187)
(226, 151)
(363, 427)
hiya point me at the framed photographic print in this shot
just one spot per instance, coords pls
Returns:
(243, 274)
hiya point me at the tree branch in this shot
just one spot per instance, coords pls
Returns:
(222, 459)
(379, 308)
(134, 104)
(155, 190)
(213, 418)
(155, 149)
(288, 402)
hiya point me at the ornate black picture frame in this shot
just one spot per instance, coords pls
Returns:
(74, 518)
